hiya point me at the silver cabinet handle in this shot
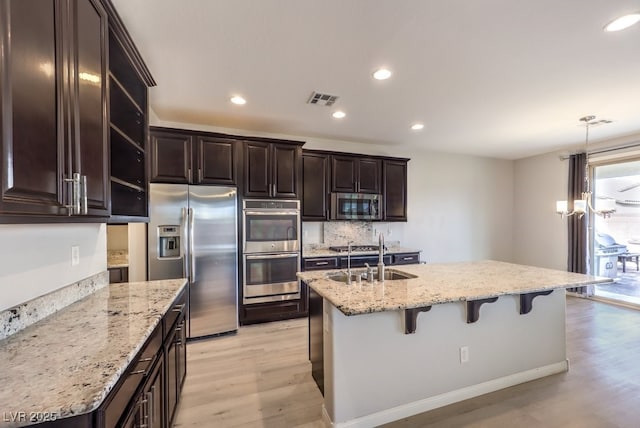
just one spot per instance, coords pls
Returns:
(273, 187)
(200, 175)
(189, 175)
(321, 263)
(407, 258)
(150, 405)
(192, 276)
(84, 209)
(74, 205)
(178, 308)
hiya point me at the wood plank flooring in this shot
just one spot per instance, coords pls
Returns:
(261, 377)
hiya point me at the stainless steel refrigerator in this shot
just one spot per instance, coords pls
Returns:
(192, 233)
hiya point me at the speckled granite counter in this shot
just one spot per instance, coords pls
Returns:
(67, 363)
(326, 252)
(441, 283)
(117, 259)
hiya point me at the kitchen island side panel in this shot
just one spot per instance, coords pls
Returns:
(374, 373)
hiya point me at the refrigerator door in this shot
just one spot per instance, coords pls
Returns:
(213, 228)
(166, 231)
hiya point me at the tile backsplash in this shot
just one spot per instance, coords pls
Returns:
(343, 232)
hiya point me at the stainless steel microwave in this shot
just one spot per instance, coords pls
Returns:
(355, 206)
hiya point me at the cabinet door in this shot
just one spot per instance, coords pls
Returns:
(30, 117)
(343, 174)
(154, 395)
(369, 172)
(172, 385)
(395, 190)
(315, 189)
(90, 145)
(257, 175)
(170, 158)
(286, 170)
(216, 160)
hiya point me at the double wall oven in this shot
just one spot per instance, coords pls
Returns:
(271, 250)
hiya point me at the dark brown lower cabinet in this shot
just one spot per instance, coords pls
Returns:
(148, 406)
(120, 274)
(316, 342)
(176, 360)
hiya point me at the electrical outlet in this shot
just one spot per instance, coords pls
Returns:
(75, 255)
(464, 354)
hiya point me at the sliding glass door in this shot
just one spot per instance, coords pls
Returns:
(615, 241)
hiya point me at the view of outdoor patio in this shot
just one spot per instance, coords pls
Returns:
(616, 240)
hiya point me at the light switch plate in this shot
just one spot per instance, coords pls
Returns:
(75, 255)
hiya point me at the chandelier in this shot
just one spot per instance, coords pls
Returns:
(606, 206)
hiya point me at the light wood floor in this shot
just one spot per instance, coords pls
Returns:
(261, 378)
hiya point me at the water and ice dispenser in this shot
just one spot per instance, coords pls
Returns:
(169, 242)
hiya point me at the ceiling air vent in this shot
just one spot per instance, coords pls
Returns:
(322, 99)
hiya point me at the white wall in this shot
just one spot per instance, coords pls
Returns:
(459, 207)
(539, 234)
(36, 259)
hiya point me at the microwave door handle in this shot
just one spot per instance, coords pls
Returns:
(192, 256)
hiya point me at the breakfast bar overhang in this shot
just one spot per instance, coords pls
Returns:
(458, 330)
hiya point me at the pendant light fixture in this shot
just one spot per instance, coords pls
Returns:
(580, 206)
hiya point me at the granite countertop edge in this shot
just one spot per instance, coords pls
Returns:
(366, 298)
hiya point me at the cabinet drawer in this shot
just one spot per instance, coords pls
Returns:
(406, 259)
(321, 263)
(120, 397)
(178, 308)
(359, 261)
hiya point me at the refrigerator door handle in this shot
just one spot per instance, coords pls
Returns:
(184, 215)
(192, 256)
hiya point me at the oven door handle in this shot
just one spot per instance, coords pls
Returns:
(271, 256)
(271, 213)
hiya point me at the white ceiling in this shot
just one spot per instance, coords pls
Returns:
(499, 78)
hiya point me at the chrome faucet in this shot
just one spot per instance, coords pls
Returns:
(369, 272)
(381, 257)
(349, 263)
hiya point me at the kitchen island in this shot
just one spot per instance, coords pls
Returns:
(65, 369)
(457, 330)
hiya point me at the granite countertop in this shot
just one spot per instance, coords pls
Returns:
(326, 252)
(67, 363)
(117, 259)
(441, 283)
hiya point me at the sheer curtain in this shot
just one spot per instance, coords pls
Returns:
(578, 255)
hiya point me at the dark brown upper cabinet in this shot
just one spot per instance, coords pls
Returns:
(315, 186)
(129, 80)
(179, 156)
(53, 105)
(355, 174)
(272, 170)
(394, 177)
(215, 160)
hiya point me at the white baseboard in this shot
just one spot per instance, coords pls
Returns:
(420, 406)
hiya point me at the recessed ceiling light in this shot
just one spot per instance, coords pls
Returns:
(417, 126)
(622, 22)
(339, 114)
(381, 74)
(237, 99)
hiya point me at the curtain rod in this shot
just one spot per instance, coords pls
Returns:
(608, 149)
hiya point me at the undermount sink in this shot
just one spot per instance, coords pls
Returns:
(389, 275)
